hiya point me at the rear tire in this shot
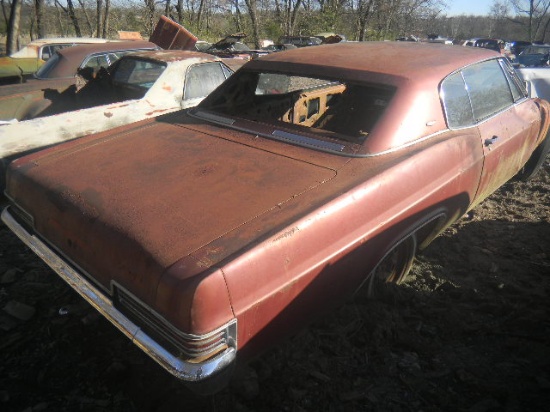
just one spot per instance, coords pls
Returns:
(393, 269)
(536, 161)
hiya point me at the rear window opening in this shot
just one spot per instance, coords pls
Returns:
(325, 108)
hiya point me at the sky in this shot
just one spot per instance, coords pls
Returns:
(475, 7)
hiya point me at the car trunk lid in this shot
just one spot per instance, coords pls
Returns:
(125, 207)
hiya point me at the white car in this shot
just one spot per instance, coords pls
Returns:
(138, 86)
(537, 81)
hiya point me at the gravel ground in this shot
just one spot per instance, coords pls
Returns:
(469, 331)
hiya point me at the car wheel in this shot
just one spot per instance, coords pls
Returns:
(536, 161)
(393, 269)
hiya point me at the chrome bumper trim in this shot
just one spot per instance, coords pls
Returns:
(181, 369)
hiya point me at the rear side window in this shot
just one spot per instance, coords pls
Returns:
(104, 60)
(479, 91)
(488, 88)
(201, 79)
(48, 51)
(137, 72)
(457, 102)
(97, 61)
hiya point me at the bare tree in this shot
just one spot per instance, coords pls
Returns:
(179, 9)
(287, 13)
(238, 16)
(69, 10)
(253, 13)
(150, 15)
(106, 19)
(13, 27)
(5, 13)
(39, 11)
(87, 17)
(536, 12)
(99, 20)
(364, 11)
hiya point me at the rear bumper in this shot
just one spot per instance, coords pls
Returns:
(185, 370)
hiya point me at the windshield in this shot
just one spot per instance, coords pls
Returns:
(317, 107)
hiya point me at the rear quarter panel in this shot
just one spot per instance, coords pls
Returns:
(324, 257)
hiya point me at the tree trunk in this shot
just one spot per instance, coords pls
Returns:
(60, 17)
(179, 8)
(106, 19)
(252, 11)
(39, 9)
(74, 19)
(99, 10)
(294, 15)
(364, 15)
(86, 15)
(13, 27)
(70, 11)
(6, 18)
(238, 16)
(150, 7)
(199, 15)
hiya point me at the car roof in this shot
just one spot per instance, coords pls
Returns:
(388, 63)
(31, 49)
(169, 56)
(55, 40)
(72, 57)
(83, 50)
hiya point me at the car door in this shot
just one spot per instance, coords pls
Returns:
(506, 121)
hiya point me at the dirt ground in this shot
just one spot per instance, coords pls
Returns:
(470, 331)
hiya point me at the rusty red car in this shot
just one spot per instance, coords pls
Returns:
(208, 234)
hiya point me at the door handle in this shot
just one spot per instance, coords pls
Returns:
(492, 140)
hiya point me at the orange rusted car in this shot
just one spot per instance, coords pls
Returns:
(206, 235)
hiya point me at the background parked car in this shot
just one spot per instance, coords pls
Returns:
(537, 81)
(23, 63)
(58, 74)
(300, 41)
(216, 231)
(231, 47)
(535, 55)
(24, 101)
(138, 86)
(330, 37)
(513, 48)
(491, 44)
